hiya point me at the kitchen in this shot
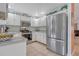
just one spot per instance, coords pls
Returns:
(39, 29)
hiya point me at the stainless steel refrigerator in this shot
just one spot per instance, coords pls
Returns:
(57, 30)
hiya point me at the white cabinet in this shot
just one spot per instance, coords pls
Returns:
(42, 21)
(34, 36)
(35, 22)
(17, 49)
(13, 19)
(16, 19)
(10, 19)
(39, 36)
(38, 22)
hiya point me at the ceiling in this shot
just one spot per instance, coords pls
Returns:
(34, 9)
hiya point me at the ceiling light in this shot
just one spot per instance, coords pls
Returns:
(42, 13)
(36, 14)
(36, 20)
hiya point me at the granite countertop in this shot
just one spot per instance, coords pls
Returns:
(16, 39)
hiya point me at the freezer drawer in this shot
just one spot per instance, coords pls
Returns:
(52, 44)
(60, 47)
(57, 46)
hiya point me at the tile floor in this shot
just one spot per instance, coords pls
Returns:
(38, 49)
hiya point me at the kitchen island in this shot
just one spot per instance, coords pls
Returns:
(16, 46)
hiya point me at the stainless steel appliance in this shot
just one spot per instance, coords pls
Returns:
(57, 32)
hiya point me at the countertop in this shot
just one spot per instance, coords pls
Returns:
(16, 39)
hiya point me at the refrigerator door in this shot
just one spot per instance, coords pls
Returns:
(57, 33)
(51, 26)
(61, 26)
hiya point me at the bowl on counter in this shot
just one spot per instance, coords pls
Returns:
(5, 36)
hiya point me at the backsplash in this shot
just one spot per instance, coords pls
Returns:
(13, 28)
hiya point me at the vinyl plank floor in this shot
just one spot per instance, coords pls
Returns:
(38, 49)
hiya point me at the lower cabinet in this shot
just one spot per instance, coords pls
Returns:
(14, 49)
(39, 36)
(34, 36)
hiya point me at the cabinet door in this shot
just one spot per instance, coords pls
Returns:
(41, 37)
(38, 37)
(16, 19)
(34, 36)
(10, 19)
(13, 19)
(34, 22)
(42, 21)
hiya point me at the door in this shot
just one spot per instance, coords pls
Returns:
(49, 25)
(61, 26)
(51, 22)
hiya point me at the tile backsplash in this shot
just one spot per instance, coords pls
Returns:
(13, 28)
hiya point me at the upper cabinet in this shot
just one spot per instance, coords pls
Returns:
(38, 22)
(17, 20)
(25, 21)
(42, 21)
(13, 19)
(10, 19)
(3, 11)
(35, 22)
